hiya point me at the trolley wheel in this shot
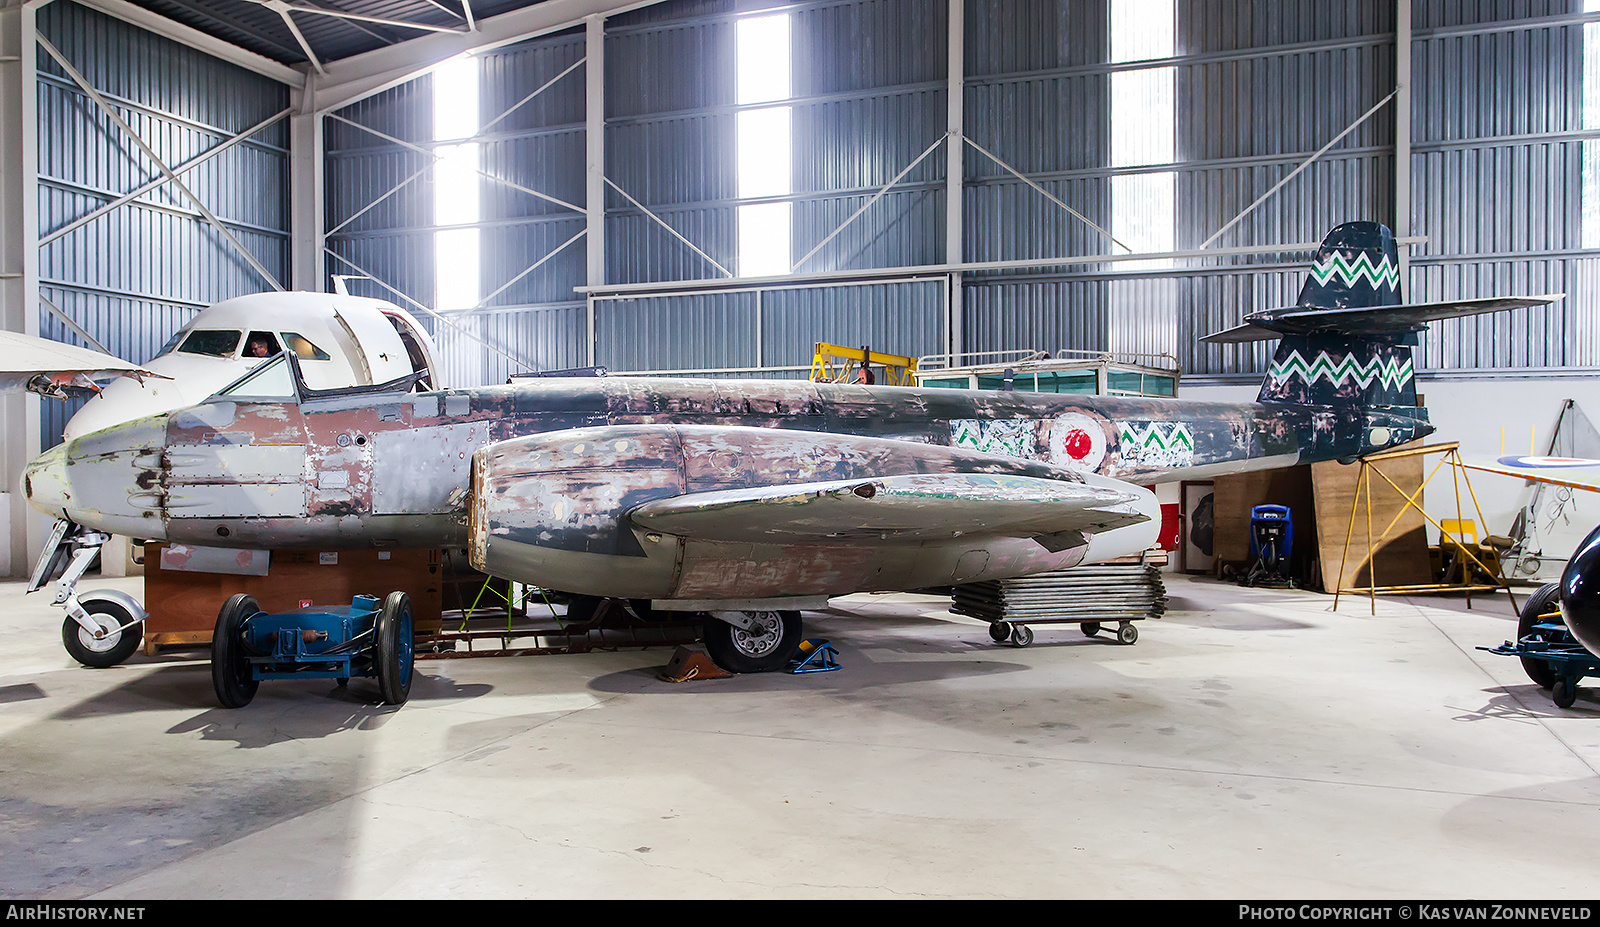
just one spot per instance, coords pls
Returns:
(767, 645)
(230, 668)
(392, 643)
(1089, 628)
(1127, 633)
(1563, 693)
(1021, 635)
(1543, 601)
(999, 631)
(113, 646)
(342, 681)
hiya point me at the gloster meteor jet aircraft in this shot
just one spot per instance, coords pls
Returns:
(748, 500)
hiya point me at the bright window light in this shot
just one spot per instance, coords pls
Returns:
(764, 144)
(455, 185)
(1590, 221)
(764, 152)
(1144, 127)
(763, 56)
(1142, 117)
(1142, 29)
(764, 239)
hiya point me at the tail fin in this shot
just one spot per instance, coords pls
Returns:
(1347, 341)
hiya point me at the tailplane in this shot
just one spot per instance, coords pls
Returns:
(1347, 341)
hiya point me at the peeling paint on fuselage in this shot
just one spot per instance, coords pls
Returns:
(345, 435)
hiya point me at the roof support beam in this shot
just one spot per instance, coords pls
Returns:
(360, 76)
(194, 38)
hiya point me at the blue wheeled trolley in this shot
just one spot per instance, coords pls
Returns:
(365, 639)
(1550, 655)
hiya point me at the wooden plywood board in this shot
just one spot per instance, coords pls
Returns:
(1237, 494)
(1402, 556)
(183, 605)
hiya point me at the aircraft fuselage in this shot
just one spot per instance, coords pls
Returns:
(396, 470)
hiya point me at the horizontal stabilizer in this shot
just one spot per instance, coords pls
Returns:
(1373, 320)
(906, 508)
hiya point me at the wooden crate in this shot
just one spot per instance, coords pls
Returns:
(183, 605)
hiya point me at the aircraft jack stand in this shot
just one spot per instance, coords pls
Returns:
(820, 657)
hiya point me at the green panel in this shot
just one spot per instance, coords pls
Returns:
(1077, 381)
(947, 382)
(1124, 381)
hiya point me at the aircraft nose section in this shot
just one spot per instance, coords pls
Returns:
(1580, 593)
(107, 481)
(44, 482)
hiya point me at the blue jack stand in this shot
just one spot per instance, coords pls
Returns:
(819, 658)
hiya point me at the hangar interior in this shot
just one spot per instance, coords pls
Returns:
(710, 188)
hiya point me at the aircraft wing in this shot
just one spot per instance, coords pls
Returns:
(49, 367)
(910, 507)
(1576, 472)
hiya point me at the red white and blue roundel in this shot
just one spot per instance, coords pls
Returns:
(1077, 442)
(1542, 463)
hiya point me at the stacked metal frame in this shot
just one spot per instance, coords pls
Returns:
(132, 276)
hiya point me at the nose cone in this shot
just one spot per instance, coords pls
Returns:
(44, 482)
(107, 480)
(1580, 593)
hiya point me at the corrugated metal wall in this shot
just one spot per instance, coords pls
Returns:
(1497, 139)
(134, 276)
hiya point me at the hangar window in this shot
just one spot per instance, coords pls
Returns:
(302, 347)
(763, 139)
(1144, 126)
(211, 343)
(455, 185)
(1590, 223)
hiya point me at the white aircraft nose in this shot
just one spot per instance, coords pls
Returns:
(44, 482)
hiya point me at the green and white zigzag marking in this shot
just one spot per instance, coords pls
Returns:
(1392, 372)
(1150, 438)
(1361, 268)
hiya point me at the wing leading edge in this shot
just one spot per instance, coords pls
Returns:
(903, 508)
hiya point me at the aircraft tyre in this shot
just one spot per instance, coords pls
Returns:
(1543, 600)
(392, 643)
(106, 651)
(230, 667)
(767, 646)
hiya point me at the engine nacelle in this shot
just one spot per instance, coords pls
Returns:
(551, 510)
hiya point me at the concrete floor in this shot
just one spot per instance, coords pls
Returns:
(1253, 744)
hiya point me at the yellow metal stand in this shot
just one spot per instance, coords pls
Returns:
(1452, 457)
(832, 363)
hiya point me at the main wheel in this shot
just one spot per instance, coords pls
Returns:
(392, 648)
(767, 645)
(230, 666)
(1544, 600)
(113, 646)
